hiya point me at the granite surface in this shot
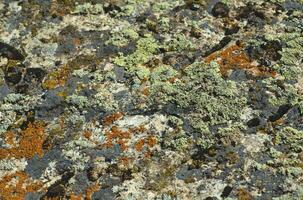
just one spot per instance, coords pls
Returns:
(151, 99)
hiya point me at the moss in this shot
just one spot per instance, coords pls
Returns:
(142, 72)
(179, 43)
(291, 56)
(287, 94)
(211, 99)
(215, 99)
(88, 8)
(122, 35)
(146, 47)
(177, 139)
(79, 101)
(163, 73)
(163, 6)
(291, 137)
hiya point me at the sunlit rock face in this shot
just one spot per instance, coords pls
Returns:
(151, 99)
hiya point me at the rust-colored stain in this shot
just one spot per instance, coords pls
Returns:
(90, 190)
(139, 145)
(16, 186)
(125, 160)
(87, 134)
(149, 141)
(115, 135)
(243, 194)
(57, 78)
(146, 91)
(108, 120)
(137, 129)
(234, 57)
(148, 154)
(76, 197)
(29, 142)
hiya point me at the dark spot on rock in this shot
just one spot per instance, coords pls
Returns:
(10, 52)
(126, 175)
(91, 174)
(194, 7)
(30, 118)
(272, 49)
(283, 109)
(219, 46)
(13, 75)
(34, 75)
(265, 62)
(227, 190)
(245, 11)
(201, 154)
(232, 30)
(178, 61)
(111, 9)
(54, 191)
(253, 122)
(210, 198)
(64, 166)
(66, 176)
(58, 62)
(22, 88)
(252, 15)
(220, 10)
(57, 190)
(66, 40)
(265, 53)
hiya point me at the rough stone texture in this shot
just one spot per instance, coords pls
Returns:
(151, 99)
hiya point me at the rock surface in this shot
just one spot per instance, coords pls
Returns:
(151, 99)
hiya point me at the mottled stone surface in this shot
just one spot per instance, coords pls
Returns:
(151, 99)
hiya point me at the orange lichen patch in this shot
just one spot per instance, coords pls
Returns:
(279, 122)
(89, 191)
(145, 91)
(87, 134)
(16, 186)
(139, 145)
(138, 129)
(118, 136)
(10, 138)
(125, 160)
(122, 144)
(62, 94)
(57, 78)
(77, 41)
(173, 79)
(75, 197)
(148, 154)
(108, 120)
(234, 57)
(30, 143)
(151, 141)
